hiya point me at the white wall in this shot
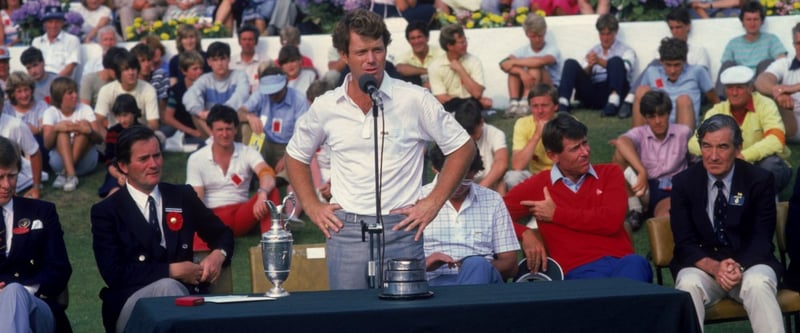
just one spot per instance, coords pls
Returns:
(573, 34)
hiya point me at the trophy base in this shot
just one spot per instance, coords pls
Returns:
(427, 294)
(275, 292)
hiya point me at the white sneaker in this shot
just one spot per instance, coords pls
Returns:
(60, 181)
(523, 109)
(45, 176)
(71, 184)
(512, 110)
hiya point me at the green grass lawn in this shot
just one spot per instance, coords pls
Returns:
(84, 305)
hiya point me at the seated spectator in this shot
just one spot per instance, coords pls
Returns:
(178, 9)
(568, 7)
(290, 60)
(418, 10)
(61, 49)
(650, 155)
(95, 16)
(9, 28)
(603, 75)
(685, 84)
(35, 269)
(148, 11)
(143, 210)
(258, 13)
(791, 278)
(580, 210)
(723, 221)
(755, 49)
(291, 36)
(491, 143)
(489, 253)
(221, 86)
(175, 117)
(247, 60)
(126, 70)
(528, 154)
(187, 38)
(760, 121)
(680, 25)
(458, 75)
(30, 168)
(499, 7)
(33, 60)
(781, 82)
(157, 77)
(221, 173)
(534, 63)
(24, 106)
(106, 38)
(159, 52)
(91, 83)
(414, 64)
(715, 8)
(70, 131)
(126, 112)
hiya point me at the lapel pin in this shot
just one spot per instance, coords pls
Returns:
(24, 223)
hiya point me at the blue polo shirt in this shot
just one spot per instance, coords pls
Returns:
(278, 118)
(694, 81)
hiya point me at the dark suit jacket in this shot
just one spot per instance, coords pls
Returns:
(750, 226)
(128, 253)
(792, 278)
(38, 256)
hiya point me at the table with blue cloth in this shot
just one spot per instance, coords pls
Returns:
(603, 305)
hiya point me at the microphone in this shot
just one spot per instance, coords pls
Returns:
(369, 85)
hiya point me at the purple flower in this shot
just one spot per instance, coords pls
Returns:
(73, 18)
(673, 3)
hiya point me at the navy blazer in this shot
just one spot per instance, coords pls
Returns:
(38, 254)
(791, 279)
(127, 250)
(750, 226)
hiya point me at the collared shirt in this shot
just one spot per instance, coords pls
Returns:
(747, 53)
(8, 220)
(140, 199)
(712, 192)
(556, 175)
(445, 81)
(664, 157)
(412, 117)
(410, 58)
(618, 49)
(144, 93)
(492, 140)
(208, 91)
(693, 81)
(250, 68)
(481, 227)
(223, 188)
(279, 119)
(65, 49)
(785, 71)
(524, 130)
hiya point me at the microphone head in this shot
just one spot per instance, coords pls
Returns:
(366, 81)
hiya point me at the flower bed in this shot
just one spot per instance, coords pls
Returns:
(166, 30)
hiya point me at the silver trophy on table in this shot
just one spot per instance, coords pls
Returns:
(276, 247)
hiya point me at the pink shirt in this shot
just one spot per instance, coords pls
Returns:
(661, 158)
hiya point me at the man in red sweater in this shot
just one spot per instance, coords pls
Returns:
(580, 210)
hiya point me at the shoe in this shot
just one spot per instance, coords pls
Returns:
(60, 181)
(523, 109)
(634, 219)
(45, 177)
(294, 223)
(609, 110)
(512, 110)
(71, 184)
(625, 110)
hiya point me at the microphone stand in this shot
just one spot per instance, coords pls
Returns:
(375, 229)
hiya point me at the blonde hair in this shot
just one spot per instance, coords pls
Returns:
(184, 31)
(16, 80)
(535, 23)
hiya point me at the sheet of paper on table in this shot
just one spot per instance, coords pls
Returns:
(236, 299)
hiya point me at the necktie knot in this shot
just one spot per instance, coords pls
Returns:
(720, 185)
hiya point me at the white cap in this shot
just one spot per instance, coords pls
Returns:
(736, 75)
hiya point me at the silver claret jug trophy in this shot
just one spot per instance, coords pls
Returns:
(276, 247)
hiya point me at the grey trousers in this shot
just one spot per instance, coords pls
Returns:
(163, 287)
(21, 312)
(348, 256)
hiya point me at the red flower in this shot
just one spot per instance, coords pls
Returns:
(174, 221)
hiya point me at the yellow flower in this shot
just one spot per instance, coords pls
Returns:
(191, 20)
(137, 24)
(796, 5)
(771, 4)
(769, 12)
(451, 19)
(520, 19)
(522, 10)
(206, 31)
(496, 18)
(470, 24)
(172, 23)
(541, 13)
(476, 15)
(164, 36)
(215, 28)
(130, 35)
(138, 20)
(129, 29)
(158, 24)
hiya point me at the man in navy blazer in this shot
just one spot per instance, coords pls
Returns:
(723, 242)
(143, 233)
(34, 268)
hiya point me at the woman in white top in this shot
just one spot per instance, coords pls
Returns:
(70, 132)
(8, 30)
(21, 103)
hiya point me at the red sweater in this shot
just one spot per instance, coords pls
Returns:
(587, 225)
